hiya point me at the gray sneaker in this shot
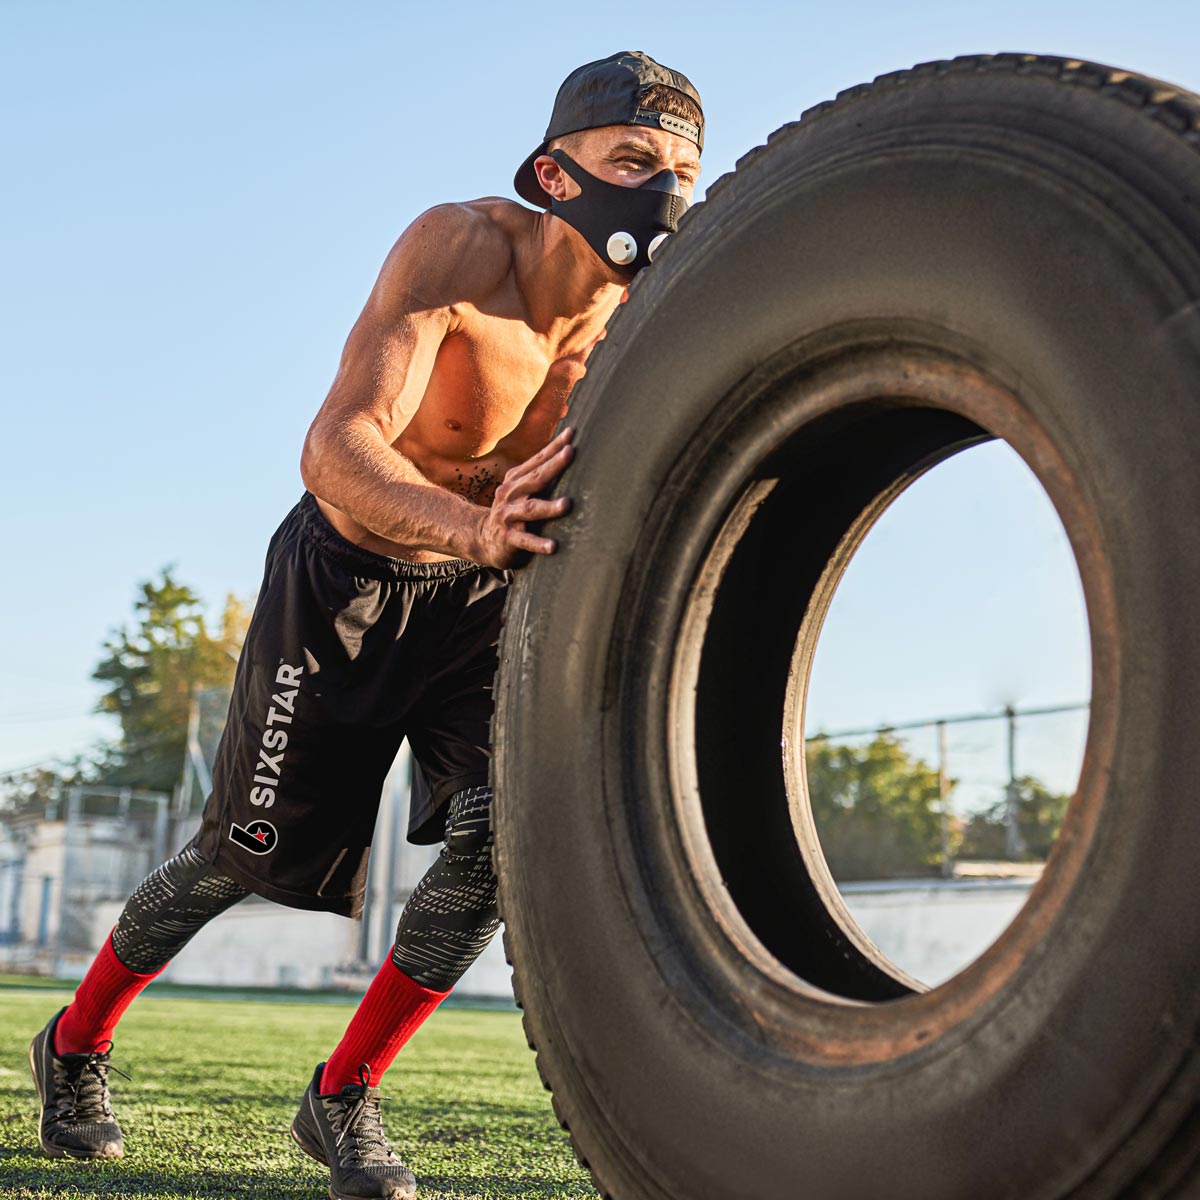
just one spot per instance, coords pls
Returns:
(77, 1116)
(344, 1130)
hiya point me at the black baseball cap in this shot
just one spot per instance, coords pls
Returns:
(608, 92)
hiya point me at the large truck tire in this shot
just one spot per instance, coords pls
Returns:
(996, 246)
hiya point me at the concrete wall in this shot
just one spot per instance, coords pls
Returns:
(39, 903)
(933, 930)
(259, 944)
(95, 858)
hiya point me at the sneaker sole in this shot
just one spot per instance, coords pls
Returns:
(49, 1148)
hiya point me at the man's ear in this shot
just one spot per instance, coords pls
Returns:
(553, 178)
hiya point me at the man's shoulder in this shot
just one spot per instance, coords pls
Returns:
(498, 211)
(490, 218)
(463, 249)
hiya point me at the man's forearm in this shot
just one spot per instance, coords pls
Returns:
(353, 468)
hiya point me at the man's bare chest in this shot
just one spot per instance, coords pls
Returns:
(490, 403)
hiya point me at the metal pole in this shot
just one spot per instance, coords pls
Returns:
(18, 888)
(195, 754)
(183, 789)
(364, 927)
(174, 822)
(366, 938)
(1012, 833)
(70, 864)
(388, 924)
(383, 877)
(944, 801)
(160, 829)
(43, 935)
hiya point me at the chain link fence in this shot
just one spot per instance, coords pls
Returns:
(93, 846)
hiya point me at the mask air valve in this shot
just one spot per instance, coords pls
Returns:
(655, 245)
(622, 249)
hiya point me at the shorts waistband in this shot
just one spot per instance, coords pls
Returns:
(319, 532)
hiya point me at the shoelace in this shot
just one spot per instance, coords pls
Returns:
(364, 1121)
(89, 1085)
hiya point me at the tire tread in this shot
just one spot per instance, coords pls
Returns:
(1173, 107)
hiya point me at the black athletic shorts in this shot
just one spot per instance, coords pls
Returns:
(348, 652)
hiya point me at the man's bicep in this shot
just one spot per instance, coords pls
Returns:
(390, 352)
(385, 367)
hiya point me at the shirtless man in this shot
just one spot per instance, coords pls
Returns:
(380, 606)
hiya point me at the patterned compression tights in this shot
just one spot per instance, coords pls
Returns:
(446, 924)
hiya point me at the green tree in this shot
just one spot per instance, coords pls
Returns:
(876, 809)
(39, 791)
(152, 670)
(1039, 812)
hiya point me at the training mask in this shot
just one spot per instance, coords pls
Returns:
(625, 226)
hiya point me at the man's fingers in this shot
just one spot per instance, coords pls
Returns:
(542, 510)
(541, 476)
(548, 451)
(520, 539)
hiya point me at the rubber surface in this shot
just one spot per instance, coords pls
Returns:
(994, 246)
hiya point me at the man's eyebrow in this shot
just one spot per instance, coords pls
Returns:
(651, 151)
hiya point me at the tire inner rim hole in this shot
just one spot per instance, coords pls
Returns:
(759, 603)
(962, 608)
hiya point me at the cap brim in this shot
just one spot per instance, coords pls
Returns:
(526, 181)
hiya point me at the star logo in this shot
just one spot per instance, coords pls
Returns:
(259, 836)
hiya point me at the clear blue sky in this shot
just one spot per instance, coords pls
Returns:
(198, 196)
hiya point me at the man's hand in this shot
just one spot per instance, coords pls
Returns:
(502, 534)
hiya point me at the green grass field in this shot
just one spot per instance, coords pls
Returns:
(216, 1083)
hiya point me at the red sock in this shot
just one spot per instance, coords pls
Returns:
(101, 999)
(393, 1009)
